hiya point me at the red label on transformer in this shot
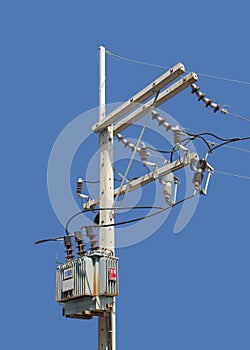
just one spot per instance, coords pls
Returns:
(112, 274)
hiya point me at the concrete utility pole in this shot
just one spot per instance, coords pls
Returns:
(106, 130)
(87, 286)
(106, 324)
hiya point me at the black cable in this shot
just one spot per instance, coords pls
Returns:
(49, 240)
(209, 134)
(106, 225)
(142, 217)
(159, 150)
(215, 136)
(132, 178)
(204, 140)
(171, 156)
(115, 208)
(91, 182)
(229, 141)
(194, 136)
(98, 181)
(161, 209)
(132, 220)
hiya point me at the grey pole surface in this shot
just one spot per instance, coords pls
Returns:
(106, 324)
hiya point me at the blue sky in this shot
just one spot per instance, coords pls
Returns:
(185, 291)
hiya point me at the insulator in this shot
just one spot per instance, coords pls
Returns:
(199, 174)
(92, 238)
(161, 120)
(168, 126)
(207, 102)
(197, 179)
(125, 142)
(79, 186)
(68, 246)
(215, 107)
(80, 243)
(195, 88)
(201, 95)
(120, 137)
(154, 114)
(143, 153)
(168, 187)
(177, 135)
(93, 245)
(131, 146)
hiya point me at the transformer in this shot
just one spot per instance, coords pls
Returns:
(86, 287)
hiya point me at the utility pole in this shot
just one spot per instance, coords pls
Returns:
(88, 285)
(106, 324)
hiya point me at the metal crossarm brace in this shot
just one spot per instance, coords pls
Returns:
(143, 180)
(140, 97)
(164, 96)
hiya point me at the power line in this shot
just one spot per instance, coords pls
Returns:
(216, 106)
(159, 211)
(235, 175)
(238, 149)
(225, 79)
(131, 159)
(235, 114)
(208, 134)
(98, 181)
(134, 152)
(226, 142)
(118, 57)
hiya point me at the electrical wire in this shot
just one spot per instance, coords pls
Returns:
(134, 152)
(102, 209)
(225, 79)
(131, 159)
(118, 57)
(200, 136)
(91, 182)
(209, 134)
(238, 149)
(161, 210)
(132, 220)
(229, 141)
(172, 153)
(165, 67)
(203, 139)
(224, 143)
(115, 179)
(209, 101)
(49, 240)
(129, 144)
(155, 155)
(235, 175)
(235, 114)
(159, 150)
